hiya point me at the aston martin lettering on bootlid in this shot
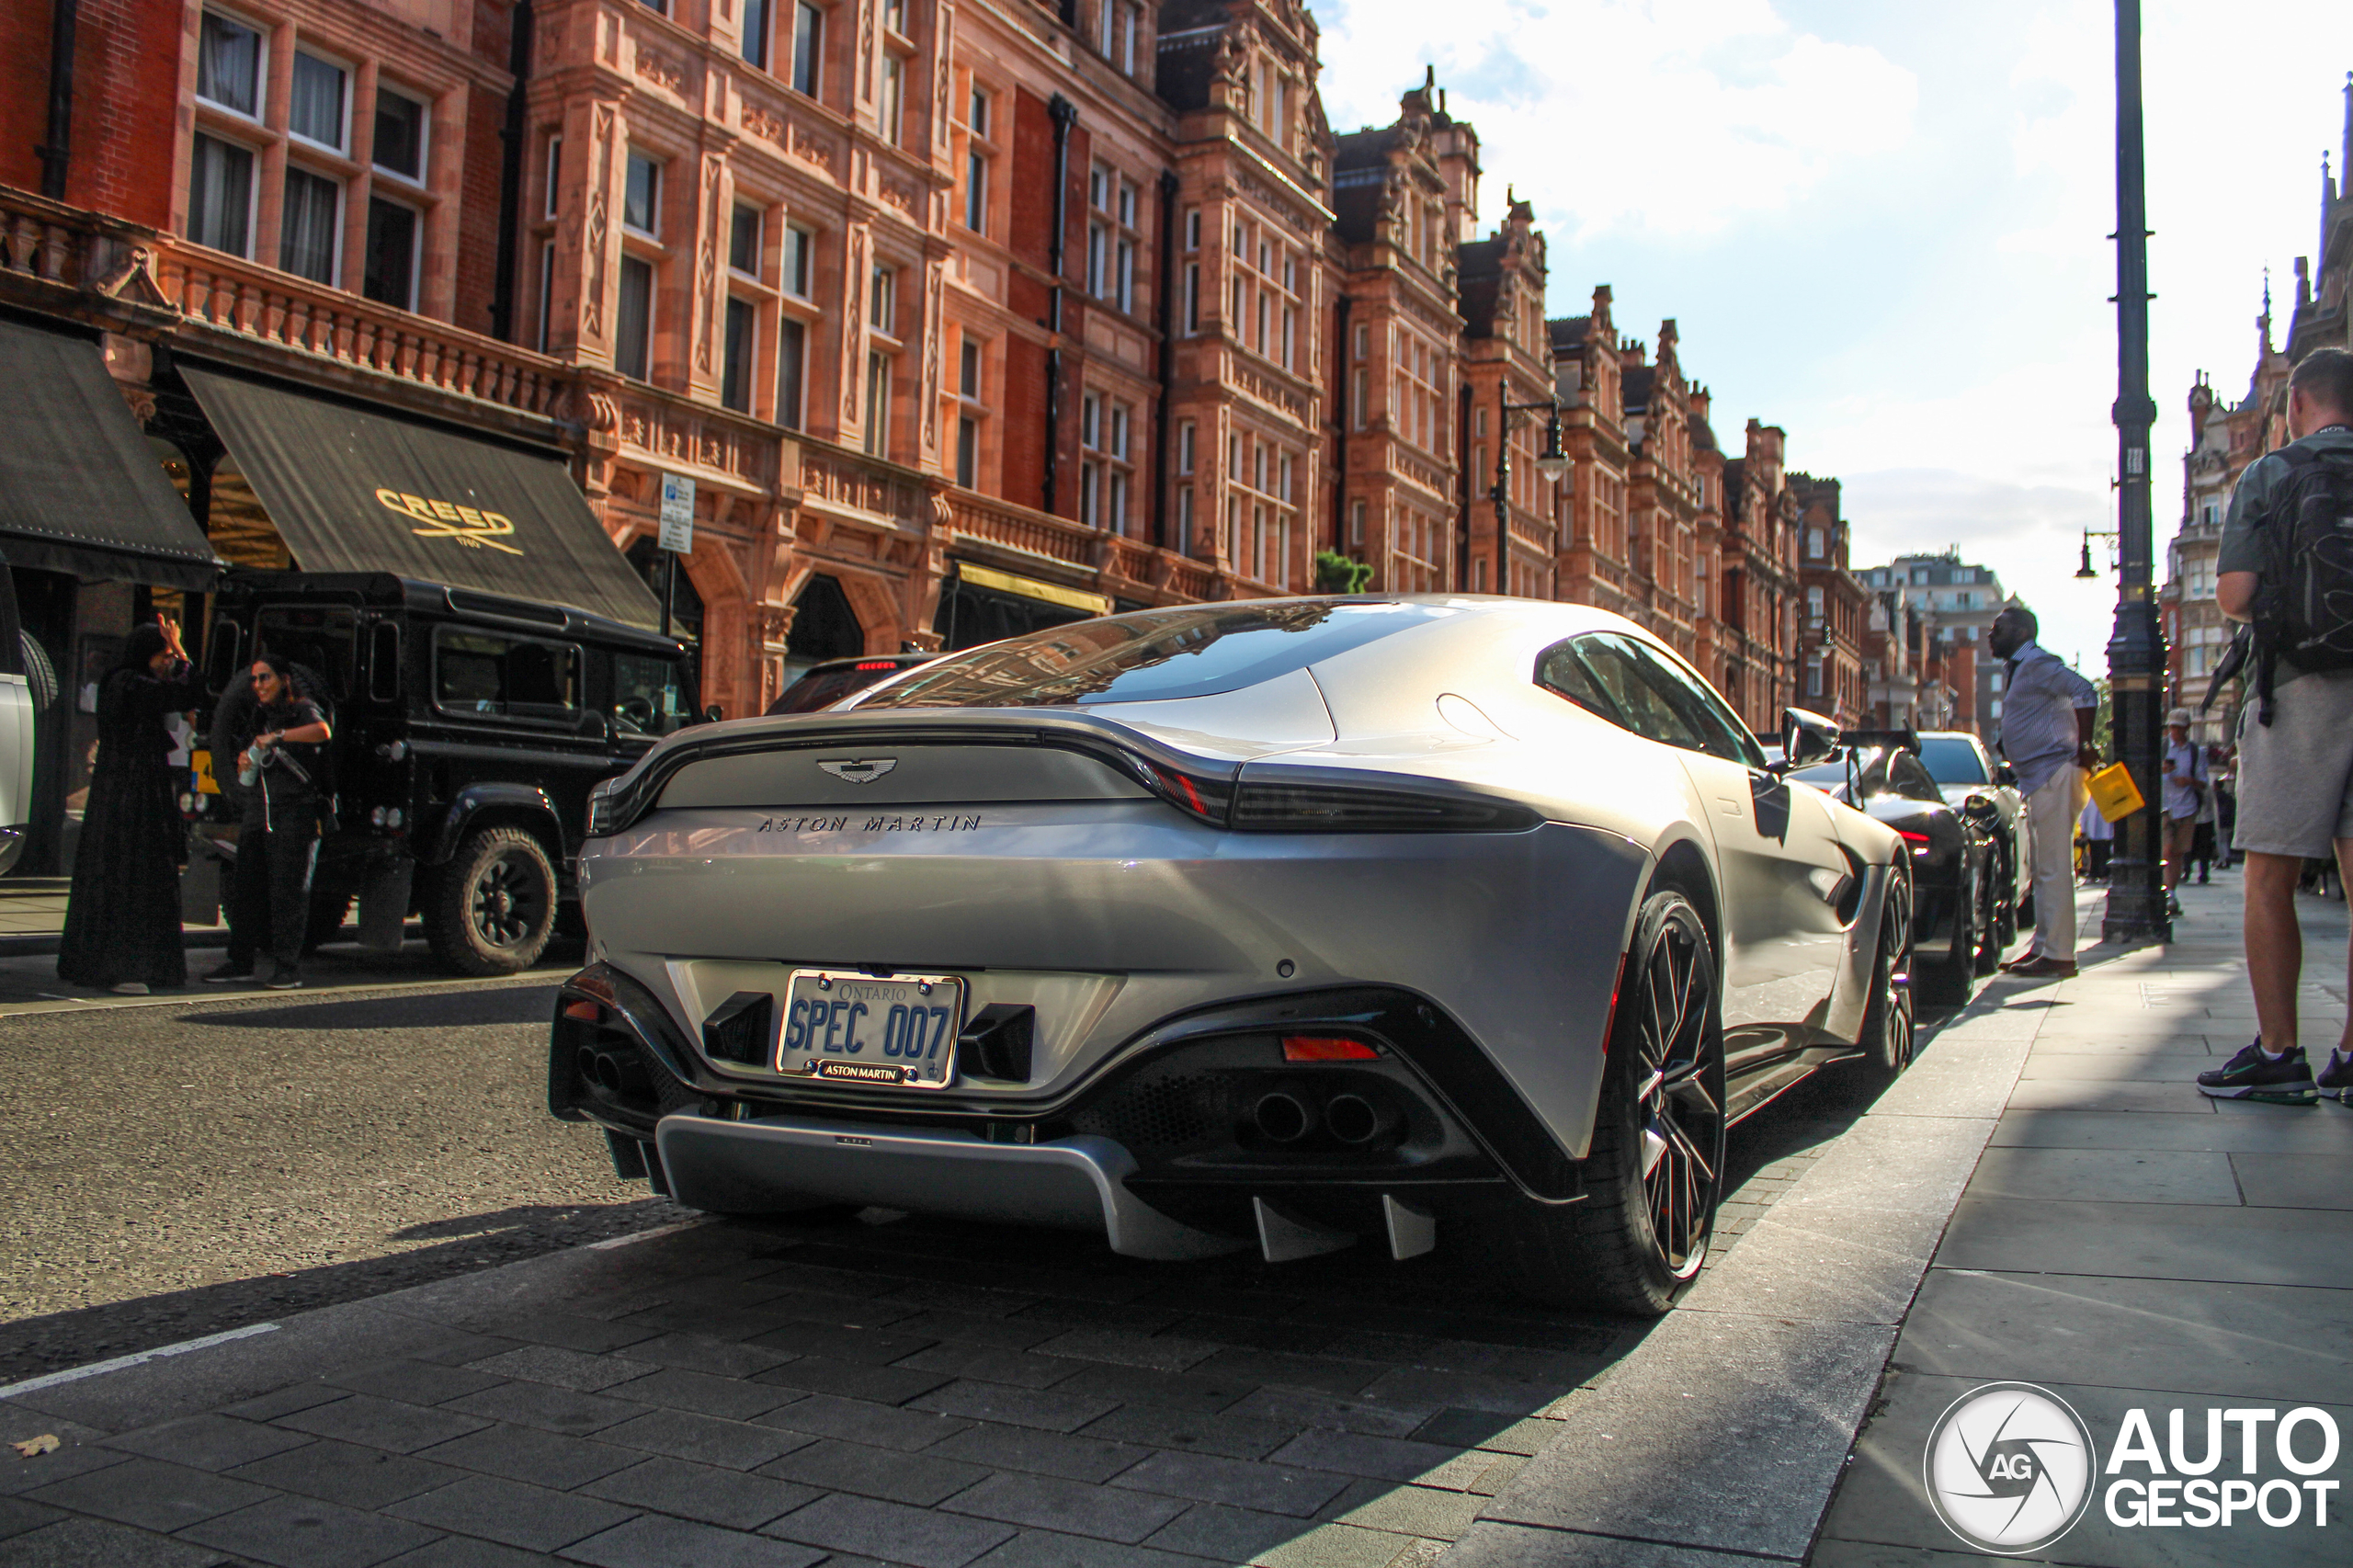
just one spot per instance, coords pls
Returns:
(946, 823)
(860, 770)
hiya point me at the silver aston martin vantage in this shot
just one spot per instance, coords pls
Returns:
(1281, 924)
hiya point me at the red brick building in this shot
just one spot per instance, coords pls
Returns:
(955, 319)
(1831, 622)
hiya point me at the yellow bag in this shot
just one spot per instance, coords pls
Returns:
(2114, 792)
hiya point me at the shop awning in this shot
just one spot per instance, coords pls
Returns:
(81, 489)
(997, 582)
(352, 491)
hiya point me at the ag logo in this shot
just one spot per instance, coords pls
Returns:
(2009, 1468)
(862, 770)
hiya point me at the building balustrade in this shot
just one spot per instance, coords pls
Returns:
(213, 289)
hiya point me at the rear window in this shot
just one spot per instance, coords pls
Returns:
(320, 638)
(1153, 655)
(830, 682)
(1951, 760)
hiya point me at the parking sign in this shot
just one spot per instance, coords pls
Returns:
(677, 512)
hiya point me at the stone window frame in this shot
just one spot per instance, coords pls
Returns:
(267, 137)
(979, 151)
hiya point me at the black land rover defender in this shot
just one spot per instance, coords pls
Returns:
(468, 731)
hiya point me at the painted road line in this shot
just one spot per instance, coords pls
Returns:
(50, 1379)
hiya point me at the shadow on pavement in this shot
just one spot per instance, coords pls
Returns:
(31, 1346)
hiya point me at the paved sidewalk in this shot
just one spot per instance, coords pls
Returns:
(2128, 1243)
(33, 916)
(921, 1393)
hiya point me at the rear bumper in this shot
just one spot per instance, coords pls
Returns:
(1077, 1183)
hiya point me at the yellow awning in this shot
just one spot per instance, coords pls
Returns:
(1030, 588)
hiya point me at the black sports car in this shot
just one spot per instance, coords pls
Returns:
(1954, 860)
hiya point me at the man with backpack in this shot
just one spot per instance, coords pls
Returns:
(2286, 567)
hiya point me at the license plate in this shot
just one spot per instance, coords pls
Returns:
(846, 1028)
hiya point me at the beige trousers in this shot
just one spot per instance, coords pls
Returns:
(2049, 812)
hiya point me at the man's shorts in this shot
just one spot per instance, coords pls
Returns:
(2296, 773)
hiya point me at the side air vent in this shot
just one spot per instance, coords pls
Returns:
(743, 1030)
(996, 1043)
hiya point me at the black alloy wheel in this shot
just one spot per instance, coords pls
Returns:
(1888, 1024)
(492, 908)
(1654, 1170)
(1681, 1096)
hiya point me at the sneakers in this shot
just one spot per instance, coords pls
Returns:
(129, 988)
(2334, 1081)
(287, 977)
(2285, 1079)
(230, 974)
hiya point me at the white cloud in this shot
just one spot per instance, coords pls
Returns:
(1675, 117)
(2031, 534)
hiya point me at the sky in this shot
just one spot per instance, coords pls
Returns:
(1884, 226)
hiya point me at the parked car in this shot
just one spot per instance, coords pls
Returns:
(1953, 859)
(1962, 767)
(468, 731)
(822, 685)
(1277, 924)
(27, 686)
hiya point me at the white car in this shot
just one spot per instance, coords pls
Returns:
(1278, 924)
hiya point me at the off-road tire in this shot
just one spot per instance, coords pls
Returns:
(331, 897)
(492, 909)
(1948, 982)
(1888, 1034)
(1607, 1252)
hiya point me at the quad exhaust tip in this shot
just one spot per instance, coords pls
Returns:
(1283, 1118)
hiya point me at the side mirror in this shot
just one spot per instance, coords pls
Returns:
(2005, 775)
(1806, 738)
(711, 715)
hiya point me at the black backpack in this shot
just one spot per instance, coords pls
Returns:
(2304, 611)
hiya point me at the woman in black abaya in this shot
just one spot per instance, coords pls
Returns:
(122, 923)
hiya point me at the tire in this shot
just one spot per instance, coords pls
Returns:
(2005, 899)
(331, 897)
(1950, 980)
(1989, 922)
(1888, 1024)
(492, 908)
(1642, 1232)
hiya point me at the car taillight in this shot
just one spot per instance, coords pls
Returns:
(604, 813)
(874, 665)
(1195, 794)
(1919, 841)
(1350, 808)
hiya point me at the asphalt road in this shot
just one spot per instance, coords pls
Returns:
(177, 1169)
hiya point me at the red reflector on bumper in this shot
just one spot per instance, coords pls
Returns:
(1320, 1047)
(1920, 840)
(587, 1012)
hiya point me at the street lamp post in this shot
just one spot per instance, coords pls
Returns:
(1551, 462)
(2136, 901)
